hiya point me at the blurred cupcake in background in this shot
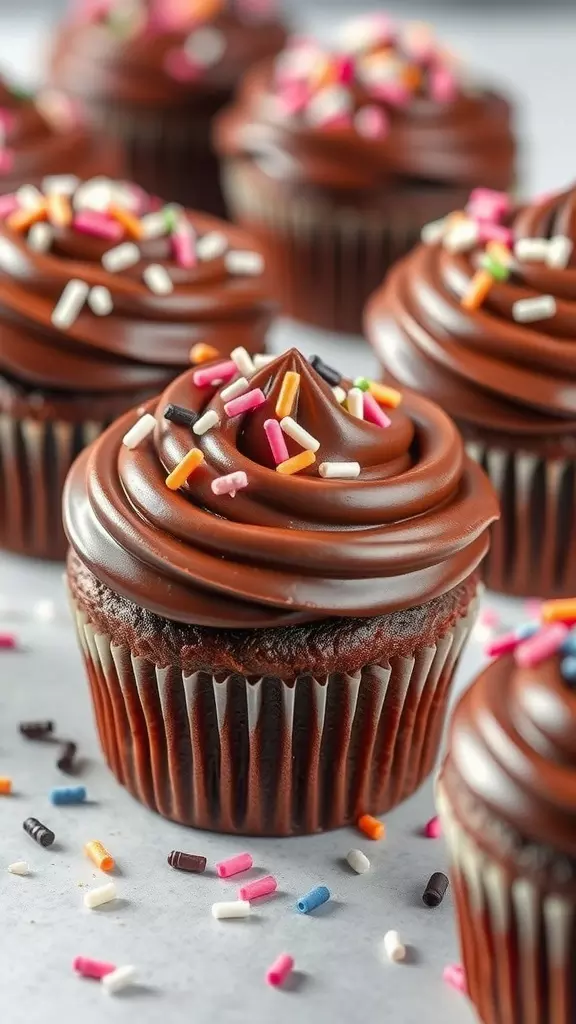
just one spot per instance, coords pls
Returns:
(337, 158)
(152, 74)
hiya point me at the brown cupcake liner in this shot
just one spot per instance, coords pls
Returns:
(324, 255)
(533, 546)
(263, 756)
(35, 456)
(518, 940)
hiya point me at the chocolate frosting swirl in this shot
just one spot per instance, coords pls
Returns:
(513, 746)
(286, 549)
(485, 368)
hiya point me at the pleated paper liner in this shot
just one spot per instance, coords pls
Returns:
(325, 255)
(518, 939)
(260, 756)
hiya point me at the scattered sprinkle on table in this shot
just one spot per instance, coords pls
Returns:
(394, 948)
(313, 899)
(36, 730)
(19, 867)
(255, 890)
(233, 909)
(234, 865)
(98, 897)
(66, 760)
(371, 827)
(99, 855)
(358, 861)
(433, 828)
(88, 968)
(191, 862)
(63, 795)
(5, 786)
(435, 890)
(278, 972)
(119, 979)
(38, 832)
(455, 976)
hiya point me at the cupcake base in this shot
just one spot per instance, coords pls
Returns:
(269, 732)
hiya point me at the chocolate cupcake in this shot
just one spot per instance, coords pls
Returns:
(151, 74)
(43, 134)
(481, 320)
(336, 160)
(507, 797)
(272, 606)
(102, 298)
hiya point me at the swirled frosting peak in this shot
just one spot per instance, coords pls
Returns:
(152, 522)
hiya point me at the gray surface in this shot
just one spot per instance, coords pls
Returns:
(193, 968)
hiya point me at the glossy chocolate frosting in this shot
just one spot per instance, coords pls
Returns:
(286, 549)
(146, 339)
(512, 750)
(487, 370)
(144, 64)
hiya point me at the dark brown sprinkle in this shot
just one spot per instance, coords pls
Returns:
(187, 862)
(435, 891)
(328, 373)
(66, 760)
(36, 730)
(38, 832)
(178, 414)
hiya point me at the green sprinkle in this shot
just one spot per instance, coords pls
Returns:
(171, 213)
(498, 271)
(362, 383)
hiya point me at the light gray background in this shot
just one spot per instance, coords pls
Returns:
(192, 968)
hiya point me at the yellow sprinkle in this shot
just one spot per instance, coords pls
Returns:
(129, 222)
(202, 353)
(99, 855)
(500, 252)
(288, 393)
(296, 463)
(5, 786)
(385, 396)
(478, 289)
(59, 210)
(21, 220)
(183, 470)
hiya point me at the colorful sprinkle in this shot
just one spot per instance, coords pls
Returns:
(234, 865)
(99, 225)
(203, 353)
(99, 855)
(358, 861)
(8, 642)
(245, 403)
(275, 437)
(288, 393)
(229, 484)
(255, 890)
(545, 643)
(477, 290)
(126, 219)
(503, 644)
(5, 786)
(87, 968)
(63, 795)
(186, 466)
(371, 827)
(278, 972)
(296, 463)
(219, 373)
(184, 246)
(568, 668)
(59, 210)
(373, 413)
(563, 610)
(455, 976)
(313, 899)
(389, 397)
(433, 828)
(487, 204)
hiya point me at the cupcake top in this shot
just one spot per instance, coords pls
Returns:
(259, 495)
(388, 103)
(162, 52)
(104, 290)
(482, 315)
(510, 774)
(44, 134)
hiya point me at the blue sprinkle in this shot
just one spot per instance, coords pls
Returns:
(527, 630)
(568, 668)
(315, 898)
(569, 644)
(68, 795)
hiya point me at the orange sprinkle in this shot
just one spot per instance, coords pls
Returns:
(559, 611)
(5, 786)
(296, 463)
(371, 827)
(21, 220)
(184, 469)
(478, 289)
(59, 210)
(500, 252)
(202, 353)
(385, 396)
(324, 73)
(99, 854)
(287, 395)
(412, 77)
(129, 222)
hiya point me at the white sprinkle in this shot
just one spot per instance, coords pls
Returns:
(462, 236)
(339, 470)
(29, 197)
(97, 897)
(434, 231)
(393, 948)
(205, 46)
(243, 361)
(531, 250)
(527, 311)
(358, 861)
(40, 237)
(328, 103)
(153, 225)
(60, 184)
(559, 252)
(206, 422)
(211, 246)
(298, 434)
(19, 867)
(355, 403)
(70, 303)
(339, 394)
(45, 610)
(261, 360)
(121, 257)
(238, 908)
(158, 279)
(234, 390)
(242, 261)
(100, 301)
(139, 431)
(95, 194)
(118, 979)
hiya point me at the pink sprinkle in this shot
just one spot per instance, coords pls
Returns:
(7, 119)
(501, 645)
(92, 968)
(542, 645)
(183, 244)
(233, 866)
(443, 86)
(489, 232)
(261, 887)
(229, 485)
(8, 642)
(179, 66)
(245, 403)
(6, 160)
(344, 70)
(8, 204)
(293, 97)
(487, 204)
(533, 608)
(394, 93)
(220, 373)
(276, 441)
(433, 829)
(455, 976)
(276, 974)
(91, 222)
(373, 413)
(372, 122)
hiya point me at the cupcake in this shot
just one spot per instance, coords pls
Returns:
(151, 74)
(336, 160)
(104, 298)
(272, 595)
(43, 134)
(481, 318)
(507, 797)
